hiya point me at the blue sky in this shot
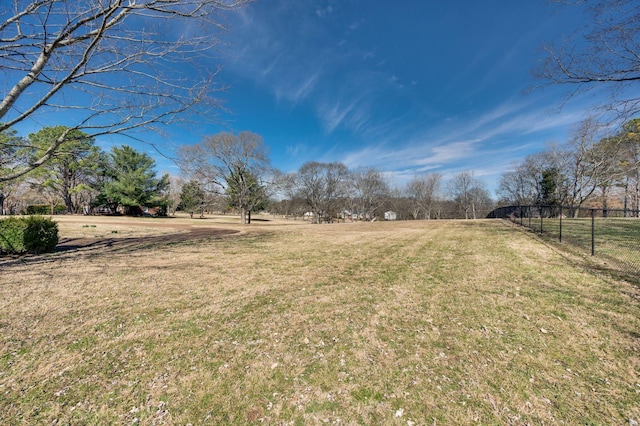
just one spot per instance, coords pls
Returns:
(407, 87)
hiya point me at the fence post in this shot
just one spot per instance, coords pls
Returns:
(521, 213)
(560, 224)
(593, 232)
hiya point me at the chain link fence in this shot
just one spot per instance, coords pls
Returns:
(612, 235)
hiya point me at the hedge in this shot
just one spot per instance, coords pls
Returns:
(38, 209)
(33, 234)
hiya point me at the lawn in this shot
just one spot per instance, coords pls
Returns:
(407, 323)
(615, 240)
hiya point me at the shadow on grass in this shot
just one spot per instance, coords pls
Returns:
(70, 247)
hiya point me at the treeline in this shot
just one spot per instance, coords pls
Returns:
(237, 166)
(232, 172)
(79, 177)
(593, 169)
(225, 172)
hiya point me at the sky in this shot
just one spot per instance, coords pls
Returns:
(407, 87)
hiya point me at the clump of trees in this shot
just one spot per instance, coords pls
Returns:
(232, 172)
(128, 180)
(80, 176)
(68, 175)
(192, 198)
(322, 186)
(470, 195)
(234, 165)
(226, 172)
(592, 168)
(329, 191)
(423, 192)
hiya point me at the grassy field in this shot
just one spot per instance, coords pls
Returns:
(615, 239)
(406, 323)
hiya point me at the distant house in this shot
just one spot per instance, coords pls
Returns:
(390, 215)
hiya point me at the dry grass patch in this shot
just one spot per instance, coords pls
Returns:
(116, 226)
(405, 323)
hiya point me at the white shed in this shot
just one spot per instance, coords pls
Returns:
(390, 215)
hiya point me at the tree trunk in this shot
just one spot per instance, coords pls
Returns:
(66, 193)
(68, 203)
(576, 212)
(626, 196)
(637, 201)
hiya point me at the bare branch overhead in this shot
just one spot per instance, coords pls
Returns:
(118, 65)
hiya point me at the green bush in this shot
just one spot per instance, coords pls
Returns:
(33, 234)
(38, 209)
(45, 209)
(12, 235)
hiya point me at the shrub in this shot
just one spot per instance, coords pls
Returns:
(34, 234)
(38, 209)
(12, 235)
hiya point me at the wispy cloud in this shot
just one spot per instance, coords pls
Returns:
(439, 112)
(324, 11)
(287, 51)
(297, 90)
(272, 57)
(294, 150)
(334, 114)
(485, 143)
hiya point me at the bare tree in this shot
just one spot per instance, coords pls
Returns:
(470, 194)
(629, 138)
(399, 202)
(572, 173)
(423, 193)
(173, 193)
(114, 65)
(607, 55)
(322, 186)
(520, 185)
(412, 191)
(586, 167)
(370, 191)
(228, 164)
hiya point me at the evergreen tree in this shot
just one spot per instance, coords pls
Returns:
(66, 174)
(192, 198)
(131, 181)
